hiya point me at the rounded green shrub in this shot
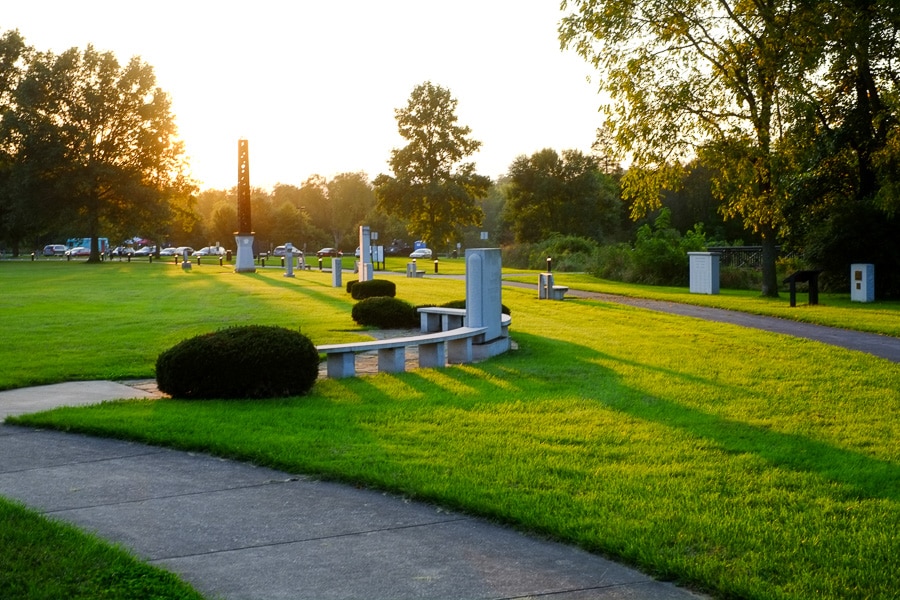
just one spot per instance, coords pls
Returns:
(385, 312)
(373, 288)
(252, 361)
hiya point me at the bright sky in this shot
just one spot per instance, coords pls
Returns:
(312, 85)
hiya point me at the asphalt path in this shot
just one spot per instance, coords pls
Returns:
(872, 343)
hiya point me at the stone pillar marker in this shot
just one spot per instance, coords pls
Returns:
(336, 271)
(366, 268)
(483, 291)
(243, 237)
(288, 260)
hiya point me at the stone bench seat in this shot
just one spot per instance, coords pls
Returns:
(392, 351)
(547, 290)
(438, 318)
(558, 292)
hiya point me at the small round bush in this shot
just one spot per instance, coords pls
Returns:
(252, 361)
(386, 313)
(372, 288)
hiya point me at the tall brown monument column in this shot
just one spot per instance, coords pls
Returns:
(244, 235)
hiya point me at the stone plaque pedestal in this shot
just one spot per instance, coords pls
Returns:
(244, 261)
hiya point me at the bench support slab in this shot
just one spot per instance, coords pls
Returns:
(341, 364)
(432, 356)
(459, 352)
(392, 360)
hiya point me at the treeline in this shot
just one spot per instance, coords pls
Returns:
(88, 148)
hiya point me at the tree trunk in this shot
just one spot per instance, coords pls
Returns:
(769, 256)
(94, 230)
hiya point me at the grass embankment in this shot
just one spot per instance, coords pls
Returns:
(43, 559)
(742, 462)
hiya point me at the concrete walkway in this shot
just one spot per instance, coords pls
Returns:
(237, 531)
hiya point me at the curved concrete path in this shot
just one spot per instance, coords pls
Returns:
(237, 531)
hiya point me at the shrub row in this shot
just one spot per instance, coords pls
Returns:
(360, 290)
(385, 312)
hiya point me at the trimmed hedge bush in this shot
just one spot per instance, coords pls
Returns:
(239, 362)
(385, 312)
(373, 288)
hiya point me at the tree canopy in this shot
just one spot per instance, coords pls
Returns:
(692, 76)
(749, 87)
(432, 189)
(551, 193)
(92, 141)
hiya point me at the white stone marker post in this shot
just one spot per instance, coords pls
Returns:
(366, 268)
(289, 260)
(483, 294)
(336, 268)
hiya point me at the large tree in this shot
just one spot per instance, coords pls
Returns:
(563, 193)
(15, 222)
(846, 145)
(432, 189)
(96, 141)
(710, 77)
(350, 198)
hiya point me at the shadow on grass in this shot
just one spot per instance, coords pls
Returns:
(509, 378)
(863, 476)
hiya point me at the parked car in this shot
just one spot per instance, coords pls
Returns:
(280, 251)
(168, 251)
(329, 252)
(55, 250)
(398, 248)
(180, 250)
(421, 253)
(78, 251)
(145, 251)
(209, 251)
(122, 251)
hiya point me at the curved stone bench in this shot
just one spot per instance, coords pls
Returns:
(392, 351)
(437, 318)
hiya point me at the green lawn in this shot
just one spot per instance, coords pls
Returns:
(741, 462)
(49, 560)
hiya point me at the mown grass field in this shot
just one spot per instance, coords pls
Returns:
(50, 560)
(738, 462)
